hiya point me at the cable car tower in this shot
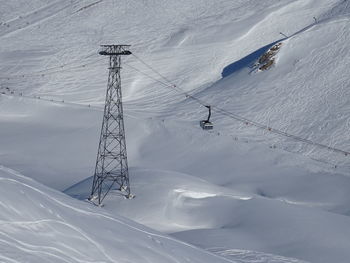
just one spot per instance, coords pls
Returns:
(111, 171)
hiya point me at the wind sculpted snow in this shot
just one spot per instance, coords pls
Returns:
(233, 191)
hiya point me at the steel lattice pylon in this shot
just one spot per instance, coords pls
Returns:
(111, 171)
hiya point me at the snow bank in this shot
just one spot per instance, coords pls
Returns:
(42, 225)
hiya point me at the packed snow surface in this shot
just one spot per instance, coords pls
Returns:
(234, 194)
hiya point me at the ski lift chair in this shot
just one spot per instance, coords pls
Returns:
(206, 124)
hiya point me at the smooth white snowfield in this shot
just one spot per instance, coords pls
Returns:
(39, 224)
(42, 225)
(230, 191)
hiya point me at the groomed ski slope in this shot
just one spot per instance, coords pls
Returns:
(231, 191)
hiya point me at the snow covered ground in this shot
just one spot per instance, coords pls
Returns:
(42, 225)
(237, 191)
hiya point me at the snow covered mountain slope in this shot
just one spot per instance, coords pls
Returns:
(192, 44)
(35, 133)
(41, 225)
(230, 190)
(168, 34)
(304, 93)
(280, 218)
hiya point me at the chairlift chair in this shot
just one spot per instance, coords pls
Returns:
(206, 124)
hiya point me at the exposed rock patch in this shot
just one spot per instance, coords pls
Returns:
(267, 60)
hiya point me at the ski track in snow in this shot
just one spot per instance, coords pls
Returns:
(34, 17)
(39, 249)
(244, 256)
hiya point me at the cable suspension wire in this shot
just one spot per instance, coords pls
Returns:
(147, 75)
(169, 86)
(48, 71)
(151, 68)
(46, 99)
(241, 118)
(276, 131)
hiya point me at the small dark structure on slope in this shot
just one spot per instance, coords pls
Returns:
(206, 124)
